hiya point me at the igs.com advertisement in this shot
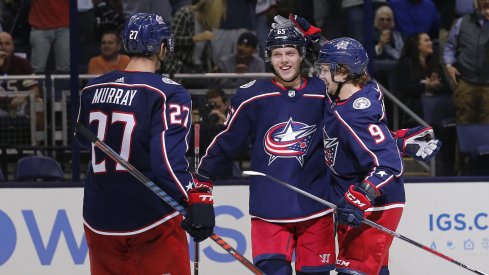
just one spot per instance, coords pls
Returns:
(41, 230)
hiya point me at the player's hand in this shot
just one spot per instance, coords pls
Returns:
(314, 33)
(282, 23)
(418, 143)
(355, 201)
(200, 219)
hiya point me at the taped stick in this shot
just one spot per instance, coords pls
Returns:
(366, 221)
(196, 164)
(161, 194)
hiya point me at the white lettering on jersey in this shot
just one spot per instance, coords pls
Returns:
(361, 103)
(342, 262)
(113, 95)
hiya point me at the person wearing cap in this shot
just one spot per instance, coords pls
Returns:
(243, 61)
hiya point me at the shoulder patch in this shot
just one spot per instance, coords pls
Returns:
(361, 103)
(247, 85)
(169, 81)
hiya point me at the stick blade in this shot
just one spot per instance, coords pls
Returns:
(253, 173)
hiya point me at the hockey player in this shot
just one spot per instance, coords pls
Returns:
(283, 117)
(362, 156)
(146, 118)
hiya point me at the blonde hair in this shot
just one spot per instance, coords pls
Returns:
(210, 13)
(383, 10)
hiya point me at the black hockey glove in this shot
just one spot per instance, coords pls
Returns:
(418, 143)
(356, 200)
(200, 219)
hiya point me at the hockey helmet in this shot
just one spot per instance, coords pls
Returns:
(344, 51)
(144, 33)
(284, 37)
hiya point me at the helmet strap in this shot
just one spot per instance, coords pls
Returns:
(162, 53)
(340, 84)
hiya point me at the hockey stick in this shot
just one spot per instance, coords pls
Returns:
(161, 194)
(196, 164)
(366, 221)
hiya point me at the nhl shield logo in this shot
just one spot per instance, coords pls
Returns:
(289, 139)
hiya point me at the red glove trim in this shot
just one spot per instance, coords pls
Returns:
(200, 197)
(357, 199)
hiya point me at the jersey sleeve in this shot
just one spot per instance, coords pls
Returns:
(374, 147)
(82, 141)
(227, 144)
(169, 130)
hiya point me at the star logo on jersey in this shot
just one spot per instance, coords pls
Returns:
(330, 149)
(342, 45)
(289, 139)
(381, 173)
(189, 186)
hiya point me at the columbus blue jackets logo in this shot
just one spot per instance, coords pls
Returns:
(289, 139)
(330, 149)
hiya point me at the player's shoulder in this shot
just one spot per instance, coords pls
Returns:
(364, 104)
(253, 89)
(315, 86)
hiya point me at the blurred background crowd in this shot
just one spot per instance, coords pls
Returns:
(432, 55)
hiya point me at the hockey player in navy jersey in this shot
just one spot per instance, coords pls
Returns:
(283, 117)
(362, 156)
(146, 118)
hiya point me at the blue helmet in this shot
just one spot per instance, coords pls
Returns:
(344, 51)
(144, 33)
(285, 37)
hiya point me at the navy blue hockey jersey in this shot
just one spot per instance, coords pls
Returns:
(145, 118)
(285, 130)
(358, 147)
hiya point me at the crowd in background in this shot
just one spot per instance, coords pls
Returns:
(419, 48)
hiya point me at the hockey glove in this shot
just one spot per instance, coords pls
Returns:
(200, 219)
(418, 143)
(356, 200)
(282, 23)
(314, 33)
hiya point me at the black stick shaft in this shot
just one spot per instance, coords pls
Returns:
(371, 223)
(196, 164)
(162, 194)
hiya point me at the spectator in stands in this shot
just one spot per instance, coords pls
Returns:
(388, 42)
(416, 16)
(467, 59)
(419, 73)
(86, 33)
(192, 30)
(50, 30)
(243, 61)
(240, 17)
(178, 4)
(110, 57)
(212, 116)
(10, 64)
(264, 10)
(353, 20)
(108, 17)
(160, 7)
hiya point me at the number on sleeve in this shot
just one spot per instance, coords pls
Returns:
(376, 133)
(179, 114)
